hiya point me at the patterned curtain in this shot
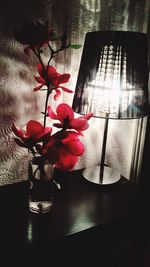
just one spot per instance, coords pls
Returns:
(19, 103)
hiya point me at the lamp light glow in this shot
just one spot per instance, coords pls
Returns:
(112, 83)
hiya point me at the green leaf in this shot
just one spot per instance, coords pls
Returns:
(75, 46)
(43, 89)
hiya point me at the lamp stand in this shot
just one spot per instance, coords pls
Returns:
(102, 174)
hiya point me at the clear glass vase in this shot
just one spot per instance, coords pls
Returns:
(42, 186)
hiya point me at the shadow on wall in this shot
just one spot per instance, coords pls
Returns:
(13, 13)
(17, 101)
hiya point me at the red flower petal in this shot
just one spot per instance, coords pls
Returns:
(37, 88)
(40, 70)
(66, 161)
(63, 78)
(70, 135)
(18, 132)
(52, 73)
(87, 116)
(72, 143)
(74, 147)
(51, 114)
(79, 124)
(65, 111)
(57, 95)
(34, 128)
(39, 79)
(66, 89)
(46, 131)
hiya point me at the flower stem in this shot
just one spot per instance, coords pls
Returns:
(49, 90)
(38, 55)
(46, 104)
(45, 70)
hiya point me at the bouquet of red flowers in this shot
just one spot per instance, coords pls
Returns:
(63, 147)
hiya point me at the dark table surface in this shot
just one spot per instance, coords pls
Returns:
(82, 215)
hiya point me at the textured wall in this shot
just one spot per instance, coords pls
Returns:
(19, 103)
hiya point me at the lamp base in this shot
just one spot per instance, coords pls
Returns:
(110, 175)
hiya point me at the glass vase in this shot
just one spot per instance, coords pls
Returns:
(42, 186)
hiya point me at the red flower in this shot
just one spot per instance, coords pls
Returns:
(35, 132)
(65, 114)
(63, 149)
(51, 77)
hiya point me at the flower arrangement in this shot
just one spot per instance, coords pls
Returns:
(63, 147)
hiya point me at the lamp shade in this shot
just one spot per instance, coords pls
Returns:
(113, 75)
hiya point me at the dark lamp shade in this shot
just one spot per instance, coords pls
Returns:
(113, 75)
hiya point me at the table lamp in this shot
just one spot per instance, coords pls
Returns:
(112, 83)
